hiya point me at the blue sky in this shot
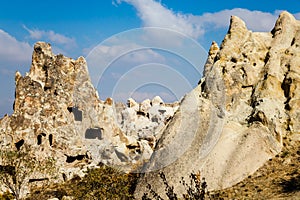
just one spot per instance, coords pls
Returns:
(165, 60)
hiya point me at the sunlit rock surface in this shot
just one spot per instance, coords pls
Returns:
(246, 102)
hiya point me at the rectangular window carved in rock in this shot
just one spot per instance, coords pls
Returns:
(93, 133)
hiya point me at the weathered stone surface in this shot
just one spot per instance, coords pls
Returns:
(247, 100)
(58, 114)
(227, 127)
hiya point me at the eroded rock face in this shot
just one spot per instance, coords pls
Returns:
(58, 114)
(247, 101)
(146, 119)
(227, 127)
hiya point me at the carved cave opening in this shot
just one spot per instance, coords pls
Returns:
(76, 112)
(50, 139)
(93, 133)
(39, 139)
(71, 159)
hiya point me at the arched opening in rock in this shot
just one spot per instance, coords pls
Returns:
(19, 144)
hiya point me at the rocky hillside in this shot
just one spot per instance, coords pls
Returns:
(237, 127)
(235, 120)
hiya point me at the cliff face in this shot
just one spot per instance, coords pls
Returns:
(247, 101)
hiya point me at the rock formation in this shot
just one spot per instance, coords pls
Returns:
(58, 114)
(246, 102)
(226, 128)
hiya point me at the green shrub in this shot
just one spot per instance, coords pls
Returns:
(104, 183)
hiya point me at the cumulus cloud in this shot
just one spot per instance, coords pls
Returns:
(153, 13)
(104, 57)
(13, 51)
(56, 38)
(255, 20)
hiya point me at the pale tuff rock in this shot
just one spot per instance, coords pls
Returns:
(227, 127)
(57, 112)
(157, 101)
(247, 101)
(145, 106)
(145, 120)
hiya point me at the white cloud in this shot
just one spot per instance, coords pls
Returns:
(56, 38)
(103, 56)
(153, 13)
(255, 20)
(13, 51)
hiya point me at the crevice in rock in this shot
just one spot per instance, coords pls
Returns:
(203, 86)
(19, 144)
(267, 58)
(247, 86)
(224, 70)
(39, 139)
(293, 41)
(253, 100)
(288, 122)
(243, 72)
(285, 86)
(38, 180)
(50, 139)
(258, 116)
